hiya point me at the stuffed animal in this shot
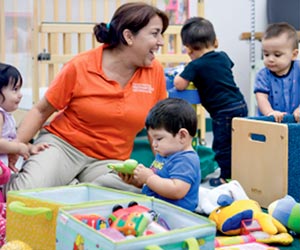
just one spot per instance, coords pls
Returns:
(287, 211)
(208, 197)
(228, 217)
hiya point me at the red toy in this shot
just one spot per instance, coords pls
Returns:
(249, 226)
(135, 220)
(93, 220)
(119, 211)
(131, 220)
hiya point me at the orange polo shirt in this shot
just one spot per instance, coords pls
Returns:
(96, 115)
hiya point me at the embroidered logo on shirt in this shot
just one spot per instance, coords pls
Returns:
(142, 87)
(157, 165)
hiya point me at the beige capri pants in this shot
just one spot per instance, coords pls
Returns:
(60, 164)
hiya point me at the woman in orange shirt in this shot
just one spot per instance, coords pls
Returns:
(102, 97)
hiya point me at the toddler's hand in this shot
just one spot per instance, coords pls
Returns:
(36, 148)
(129, 179)
(278, 116)
(296, 114)
(141, 173)
(23, 150)
(12, 160)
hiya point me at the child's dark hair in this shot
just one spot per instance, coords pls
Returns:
(133, 16)
(9, 75)
(198, 33)
(277, 29)
(172, 114)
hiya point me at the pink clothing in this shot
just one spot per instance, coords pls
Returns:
(9, 133)
(4, 177)
(2, 223)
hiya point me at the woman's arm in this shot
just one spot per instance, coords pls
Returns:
(34, 120)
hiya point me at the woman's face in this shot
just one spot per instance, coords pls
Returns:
(147, 42)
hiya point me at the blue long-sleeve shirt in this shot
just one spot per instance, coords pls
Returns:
(283, 91)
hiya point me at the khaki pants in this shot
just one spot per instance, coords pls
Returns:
(60, 164)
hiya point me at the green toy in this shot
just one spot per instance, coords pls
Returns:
(287, 211)
(126, 168)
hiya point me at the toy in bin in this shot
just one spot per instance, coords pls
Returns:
(135, 220)
(93, 220)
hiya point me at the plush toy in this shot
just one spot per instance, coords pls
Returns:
(229, 216)
(287, 211)
(208, 197)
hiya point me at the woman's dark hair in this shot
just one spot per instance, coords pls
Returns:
(172, 114)
(277, 29)
(133, 16)
(198, 33)
(9, 75)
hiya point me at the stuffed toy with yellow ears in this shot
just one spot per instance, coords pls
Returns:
(229, 216)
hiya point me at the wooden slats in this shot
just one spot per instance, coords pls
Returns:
(60, 27)
(175, 56)
(2, 31)
(257, 35)
(247, 35)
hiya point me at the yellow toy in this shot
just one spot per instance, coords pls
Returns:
(229, 216)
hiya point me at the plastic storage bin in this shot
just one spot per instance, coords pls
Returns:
(32, 214)
(187, 230)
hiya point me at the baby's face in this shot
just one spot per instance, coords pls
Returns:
(164, 142)
(278, 54)
(12, 96)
